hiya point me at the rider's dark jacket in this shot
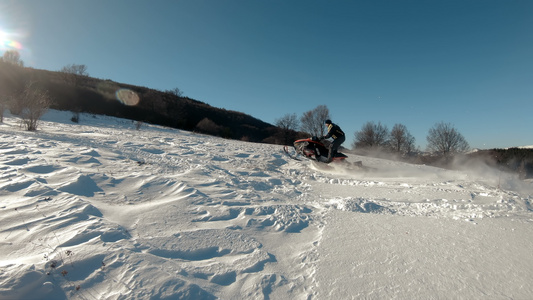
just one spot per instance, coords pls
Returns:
(334, 131)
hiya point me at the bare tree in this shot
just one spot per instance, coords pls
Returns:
(312, 122)
(288, 124)
(371, 135)
(400, 139)
(34, 102)
(445, 139)
(80, 70)
(176, 92)
(12, 57)
(74, 74)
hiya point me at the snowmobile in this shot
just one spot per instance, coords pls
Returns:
(315, 149)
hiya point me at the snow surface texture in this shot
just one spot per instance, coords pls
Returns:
(100, 210)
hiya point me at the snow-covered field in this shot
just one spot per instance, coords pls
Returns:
(100, 210)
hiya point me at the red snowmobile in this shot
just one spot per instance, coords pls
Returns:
(315, 149)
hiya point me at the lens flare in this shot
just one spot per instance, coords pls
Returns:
(12, 44)
(7, 43)
(127, 97)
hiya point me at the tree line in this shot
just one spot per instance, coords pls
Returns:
(443, 138)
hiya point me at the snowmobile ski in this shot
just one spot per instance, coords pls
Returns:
(293, 156)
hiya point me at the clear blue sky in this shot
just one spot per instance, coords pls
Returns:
(414, 62)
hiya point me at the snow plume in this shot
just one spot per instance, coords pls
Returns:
(479, 169)
(473, 167)
(101, 210)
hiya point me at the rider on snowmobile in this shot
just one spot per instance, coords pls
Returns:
(335, 132)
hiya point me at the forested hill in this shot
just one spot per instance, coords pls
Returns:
(86, 94)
